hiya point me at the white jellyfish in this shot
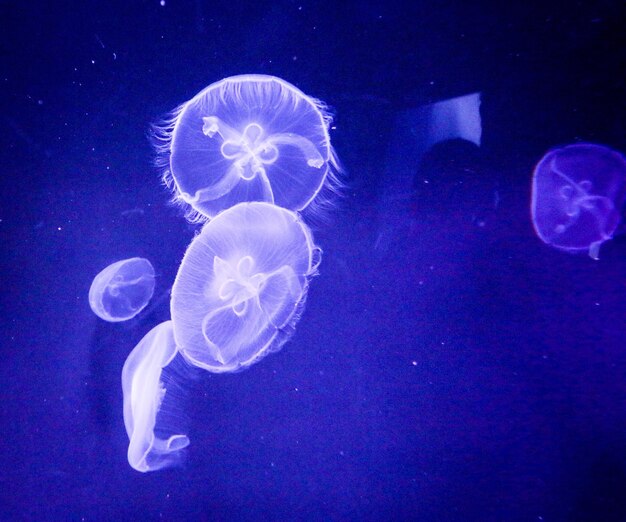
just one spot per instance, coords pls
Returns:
(122, 289)
(241, 286)
(247, 138)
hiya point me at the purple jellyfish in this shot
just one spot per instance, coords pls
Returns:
(577, 195)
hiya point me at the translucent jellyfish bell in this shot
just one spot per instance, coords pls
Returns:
(247, 138)
(122, 289)
(143, 396)
(577, 195)
(241, 286)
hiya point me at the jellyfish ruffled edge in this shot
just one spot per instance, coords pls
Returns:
(161, 135)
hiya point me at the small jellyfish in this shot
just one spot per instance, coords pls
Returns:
(122, 289)
(247, 138)
(577, 195)
(143, 395)
(241, 286)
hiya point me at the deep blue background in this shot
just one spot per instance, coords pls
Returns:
(455, 373)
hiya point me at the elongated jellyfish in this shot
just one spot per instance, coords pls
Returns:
(241, 286)
(122, 289)
(143, 395)
(247, 138)
(577, 196)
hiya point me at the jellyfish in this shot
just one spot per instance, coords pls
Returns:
(143, 395)
(577, 195)
(247, 138)
(122, 289)
(242, 285)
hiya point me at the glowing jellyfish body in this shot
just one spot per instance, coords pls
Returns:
(122, 289)
(241, 286)
(248, 138)
(143, 395)
(577, 195)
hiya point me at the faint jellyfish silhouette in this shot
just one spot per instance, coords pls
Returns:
(247, 138)
(143, 395)
(241, 286)
(577, 195)
(122, 289)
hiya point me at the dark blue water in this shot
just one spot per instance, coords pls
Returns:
(441, 370)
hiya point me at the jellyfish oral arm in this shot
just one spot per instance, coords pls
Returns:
(212, 125)
(253, 303)
(313, 157)
(249, 154)
(219, 189)
(252, 148)
(577, 196)
(250, 145)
